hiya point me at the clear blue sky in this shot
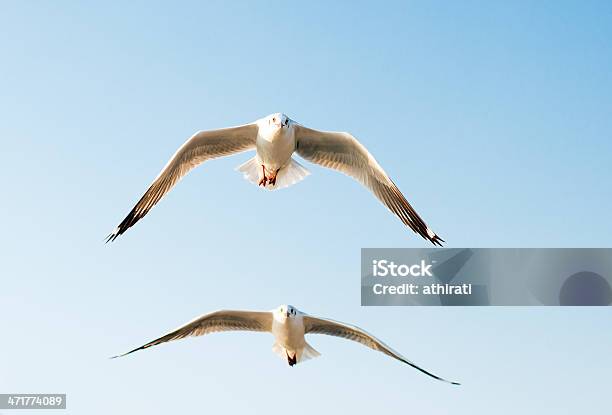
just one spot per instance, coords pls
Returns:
(492, 117)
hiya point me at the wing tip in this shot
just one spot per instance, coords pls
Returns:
(112, 236)
(130, 352)
(119, 355)
(445, 380)
(436, 377)
(130, 220)
(433, 238)
(118, 231)
(436, 240)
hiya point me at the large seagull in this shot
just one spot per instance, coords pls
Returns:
(275, 138)
(288, 325)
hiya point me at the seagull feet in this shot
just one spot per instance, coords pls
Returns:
(272, 180)
(264, 180)
(292, 360)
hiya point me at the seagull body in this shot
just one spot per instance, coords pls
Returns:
(275, 139)
(288, 325)
(274, 145)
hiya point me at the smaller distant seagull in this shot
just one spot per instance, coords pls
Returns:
(275, 138)
(288, 325)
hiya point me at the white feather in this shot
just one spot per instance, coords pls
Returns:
(289, 175)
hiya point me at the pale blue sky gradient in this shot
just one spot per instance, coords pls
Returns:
(492, 117)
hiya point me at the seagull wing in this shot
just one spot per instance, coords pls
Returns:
(204, 145)
(315, 325)
(342, 152)
(223, 320)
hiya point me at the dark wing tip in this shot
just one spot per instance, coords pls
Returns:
(431, 236)
(134, 216)
(131, 351)
(443, 380)
(112, 236)
(404, 210)
(124, 354)
(436, 240)
(428, 373)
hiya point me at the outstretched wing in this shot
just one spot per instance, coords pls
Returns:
(204, 145)
(223, 320)
(342, 152)
(314, 325)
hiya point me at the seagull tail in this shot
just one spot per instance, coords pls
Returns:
(307, 353)
(289, 175)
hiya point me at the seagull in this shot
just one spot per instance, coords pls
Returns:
(275, 138)
(288, 325)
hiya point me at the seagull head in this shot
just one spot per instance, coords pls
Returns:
(278, 120)
(286, 311)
